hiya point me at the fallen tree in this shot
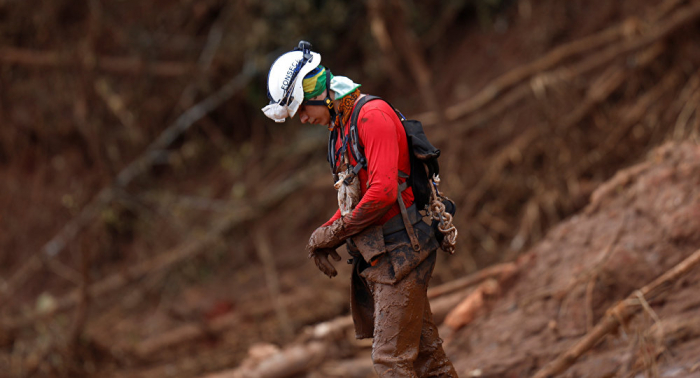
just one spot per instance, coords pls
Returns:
(320, 342)
(620, 315)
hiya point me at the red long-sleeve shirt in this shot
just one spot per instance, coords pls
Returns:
(386, 150)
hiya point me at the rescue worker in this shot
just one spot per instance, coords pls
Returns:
(391, 269)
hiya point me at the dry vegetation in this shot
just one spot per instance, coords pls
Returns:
(153, 221)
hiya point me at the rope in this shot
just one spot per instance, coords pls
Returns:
(436, 211)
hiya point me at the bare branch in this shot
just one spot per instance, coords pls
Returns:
(193, 246)
(477, 104)
(112, 64)
(144, 162)
(619, 314)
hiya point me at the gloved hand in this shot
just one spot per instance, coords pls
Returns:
(323, 242)
(320, 257)
(331, 236)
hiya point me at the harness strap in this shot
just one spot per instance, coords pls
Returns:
(404, 215)
(395, 224)
(357, 150)
(359, 156)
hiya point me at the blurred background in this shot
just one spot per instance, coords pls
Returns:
(153, 221)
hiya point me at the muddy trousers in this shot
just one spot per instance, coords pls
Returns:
(406, 341)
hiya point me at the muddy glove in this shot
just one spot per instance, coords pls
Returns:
(320, 257)
(332, 236)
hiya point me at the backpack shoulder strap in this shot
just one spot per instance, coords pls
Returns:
(332, 136)
(362, 163)
(357, 150)
(358, 106)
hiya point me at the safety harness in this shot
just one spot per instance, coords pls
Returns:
(424, 178)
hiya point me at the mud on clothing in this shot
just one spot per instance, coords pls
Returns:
(390, 304)
(384, 141)
(389, 299)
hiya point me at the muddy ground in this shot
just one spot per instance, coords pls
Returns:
(587, 272)
(131, 255)
(638, 225)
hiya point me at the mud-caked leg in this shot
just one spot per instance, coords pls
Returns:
(431, 360)
(399, 312)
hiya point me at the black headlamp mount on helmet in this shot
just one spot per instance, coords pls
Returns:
(304, 47)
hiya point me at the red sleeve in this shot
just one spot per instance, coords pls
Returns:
(378, 135)
(334, 218)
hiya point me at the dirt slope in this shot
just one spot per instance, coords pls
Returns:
(180, 287)
(638, 225)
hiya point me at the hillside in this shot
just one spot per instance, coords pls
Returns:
(638, 225)
(615, 287)
(154, 221)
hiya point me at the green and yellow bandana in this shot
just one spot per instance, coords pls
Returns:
(315, 82)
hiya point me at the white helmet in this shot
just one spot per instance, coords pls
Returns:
(284, 81)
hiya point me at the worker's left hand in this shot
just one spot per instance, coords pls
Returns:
(327, 237)
(320, 257)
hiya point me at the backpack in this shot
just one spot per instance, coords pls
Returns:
(423, 155)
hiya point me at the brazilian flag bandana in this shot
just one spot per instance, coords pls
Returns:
(315, 82)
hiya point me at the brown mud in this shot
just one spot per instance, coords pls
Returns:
(638, 225)
(153, 222)
(568, 291)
